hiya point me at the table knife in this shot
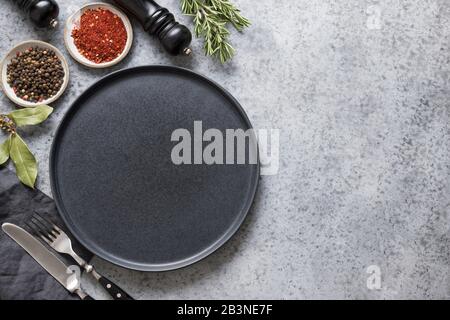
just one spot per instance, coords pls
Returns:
(51, 263)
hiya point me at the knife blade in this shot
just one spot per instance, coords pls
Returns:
(51, 263)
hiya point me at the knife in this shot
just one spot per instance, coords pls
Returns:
(51, 263)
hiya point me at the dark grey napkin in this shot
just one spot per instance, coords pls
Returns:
(21, 277)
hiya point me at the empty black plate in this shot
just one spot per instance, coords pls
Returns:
(116, 186)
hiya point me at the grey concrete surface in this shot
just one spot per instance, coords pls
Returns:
(360, 92)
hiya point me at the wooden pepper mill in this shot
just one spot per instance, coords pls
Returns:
(158, 21)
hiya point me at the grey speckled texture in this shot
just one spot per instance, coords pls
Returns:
(363, 108)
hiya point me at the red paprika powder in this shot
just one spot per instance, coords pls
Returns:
(101, 35)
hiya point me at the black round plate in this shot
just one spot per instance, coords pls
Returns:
(116, 186)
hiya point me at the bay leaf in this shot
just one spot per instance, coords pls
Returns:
(30, 116)
(24, 161)
(4, 150)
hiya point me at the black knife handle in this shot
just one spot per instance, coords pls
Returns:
(88, 297)
(158, 21)
(114, 290)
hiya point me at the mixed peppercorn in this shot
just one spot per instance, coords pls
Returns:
(35, 74)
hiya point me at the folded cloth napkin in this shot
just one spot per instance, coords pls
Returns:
(21, 277)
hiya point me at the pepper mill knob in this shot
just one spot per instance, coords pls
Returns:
(158, 21)
(174, 37)
(43, 13)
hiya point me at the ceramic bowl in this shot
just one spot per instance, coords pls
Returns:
(73, 22)
(8, 90)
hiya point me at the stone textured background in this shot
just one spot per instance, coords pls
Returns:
(360, 92)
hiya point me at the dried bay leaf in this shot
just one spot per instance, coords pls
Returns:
(30, 116)
(4, 150)
(24, 161)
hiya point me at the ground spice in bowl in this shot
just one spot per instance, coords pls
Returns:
(35, 74)
(101, 35)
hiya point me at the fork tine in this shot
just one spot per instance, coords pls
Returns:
(38, 232)
(48, 221)
(45, 224)
(44, 228)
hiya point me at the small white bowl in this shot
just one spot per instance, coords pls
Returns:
(21, 47)
(73, 22)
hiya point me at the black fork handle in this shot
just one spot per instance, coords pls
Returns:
(114, 290)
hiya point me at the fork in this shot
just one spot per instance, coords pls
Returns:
(60, 242)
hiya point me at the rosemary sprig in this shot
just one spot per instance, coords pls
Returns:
(210, 21)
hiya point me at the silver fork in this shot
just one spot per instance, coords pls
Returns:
(60, 242)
